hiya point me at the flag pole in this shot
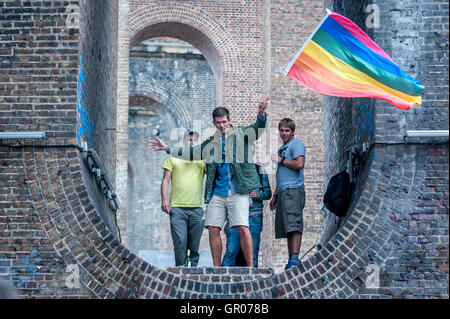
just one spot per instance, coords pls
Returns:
(275, 86)
(286, 70)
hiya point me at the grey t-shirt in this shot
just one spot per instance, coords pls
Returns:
(288, 177)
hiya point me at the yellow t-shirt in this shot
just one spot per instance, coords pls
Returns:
(187, 182)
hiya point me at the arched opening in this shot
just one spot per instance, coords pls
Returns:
(196, 43)
(172, 89)
(146, 24)
(224, 56)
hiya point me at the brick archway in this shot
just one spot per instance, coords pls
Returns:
(188, 23)
(191, 24)
(161, 96)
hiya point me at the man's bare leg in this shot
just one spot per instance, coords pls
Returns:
(246, 244)
(215, 243)
(294, 241)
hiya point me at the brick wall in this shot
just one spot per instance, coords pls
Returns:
(415, 35)
(348, 124)
(39, 65)
(97, 85)
(39, 58)
(97, 93)
(416, 41)
(121, 113)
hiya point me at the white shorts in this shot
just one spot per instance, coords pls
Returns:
(235, 206)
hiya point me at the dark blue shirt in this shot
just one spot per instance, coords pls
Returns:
(224, 177)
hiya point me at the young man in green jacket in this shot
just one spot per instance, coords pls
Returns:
(230, 176)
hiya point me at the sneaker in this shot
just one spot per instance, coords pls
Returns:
(290, 264)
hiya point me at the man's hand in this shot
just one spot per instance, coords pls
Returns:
(276, 158)
(165, 206)
(254, 194)
(273, 203)
(157, 145)
(263, 106)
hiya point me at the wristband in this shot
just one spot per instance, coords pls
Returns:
(282, 160)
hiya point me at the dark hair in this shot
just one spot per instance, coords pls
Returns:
(191, 132)
(287, 122)
(219, 112)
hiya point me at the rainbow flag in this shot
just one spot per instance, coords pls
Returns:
(339, 59)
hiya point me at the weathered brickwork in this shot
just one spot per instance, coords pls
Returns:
(123, 66)
(178, 71)
(38, 70)
(44, 184)
(415, 35)
(398, 223)
(349, 127)
(39, 58)
(97, 93)
(407, 34)
(98, 60)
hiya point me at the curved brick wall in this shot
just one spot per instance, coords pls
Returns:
(192, 24)
(378, 232)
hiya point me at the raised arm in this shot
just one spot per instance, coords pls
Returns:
(189, 154)
(261, 119)
(263, 106)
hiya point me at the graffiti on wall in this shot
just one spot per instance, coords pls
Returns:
(366, 121)
(26, 270)
(85, 126)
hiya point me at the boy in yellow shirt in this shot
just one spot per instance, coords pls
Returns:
(185, 205)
